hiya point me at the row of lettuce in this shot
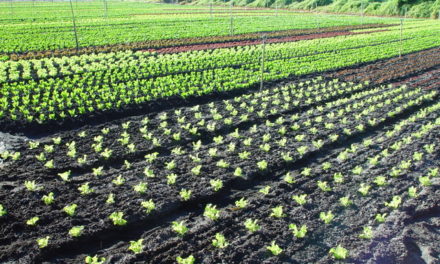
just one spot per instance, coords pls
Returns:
(68, 87)
(52, 35)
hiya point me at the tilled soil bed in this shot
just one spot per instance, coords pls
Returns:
(355, 164)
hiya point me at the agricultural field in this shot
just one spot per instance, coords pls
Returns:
(168, 133)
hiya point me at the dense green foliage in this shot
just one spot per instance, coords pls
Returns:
(56, 88)
(43, 26)
(413, 8)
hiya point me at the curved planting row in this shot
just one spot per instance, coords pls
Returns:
(183, 74)
(339, 200)
(41, 36)
(206, 42)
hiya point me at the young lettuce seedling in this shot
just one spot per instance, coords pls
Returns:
(380, 218)
(141, 188)
(136, 246)
(425, 181)
(339, 252)
(107, 153)
(242, 203)
(412, 192)
(306, 172)
(364, 189)
(324, 186)
(277, 212)
(65, 175)
(94, 260)
(327, 217)
(211, 212)
(43, 242)
(171, 178)
(244, 155)
(118, 181)
(300, 199)
(326, 166)
(149, 173)
(117, 218)
(148, 205)
(219, 241)
(70, 209)
(380, 181)
(216, 185)
(262, 165)
(97, 171)
(185, 194)
(76, 231)
(274, 249)
(33, 144)
(85, 189)
(433, 172)
(302, 150)
(127, 164)
(110, 199)
(48, 199)
(298, 232)
(286, 156)
(49, 164)
(289, 179)
(222, 164)
(367, 233)
(394, 203)
(265, 190)
(357, 170)
(238, 172)
(251, 225)
(196, 170)
(32, 221)
(3, 210)
(188, 260)
(179, 228)
(170, 165)
(338, 177)
(32, 186)
(429, 148)
(345, 201)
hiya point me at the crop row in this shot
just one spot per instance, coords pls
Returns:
(331, 198)
(167, 43)
(149, 65)
(60, 98)
(349, 194)
(41, 36)
(164, 179)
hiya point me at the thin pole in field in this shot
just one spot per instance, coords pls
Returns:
(362, 10)
(231, 24)
(316, 15)
(401, 35)
(10, 5)
(105, 9)
(210, 8)
(263, 55)
(74, 26)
